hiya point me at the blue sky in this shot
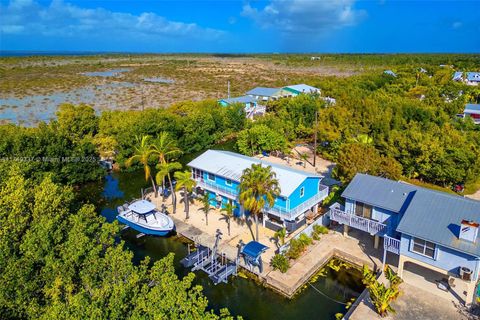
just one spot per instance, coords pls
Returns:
(241, 26)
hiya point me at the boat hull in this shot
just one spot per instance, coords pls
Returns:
(142, 229)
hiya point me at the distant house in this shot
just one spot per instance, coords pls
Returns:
(458, 76)
(250, 103)
(390, 73)
(302, 89)
(218, 174)
(473, 78)
(473, 111)
(434, 234)
(263, 94)
(422, 70)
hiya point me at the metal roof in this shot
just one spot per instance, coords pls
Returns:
(378, 192)
(458, 75)
(473, 76)
(263, 91)
(142, 206)
(473, 108)
(242, 99)
(390, 72)
(254, 249)
(436, 217)
(304, 88)
(231, 165)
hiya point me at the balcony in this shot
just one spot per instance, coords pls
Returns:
(357, 222)
(391, 244)
(275, 210)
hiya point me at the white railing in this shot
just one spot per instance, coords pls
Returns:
(364, 224)
(279, 211)
(391, 244)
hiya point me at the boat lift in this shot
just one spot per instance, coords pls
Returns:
(215, 264)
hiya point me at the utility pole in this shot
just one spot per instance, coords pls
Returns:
(228, 89)
(315, 140)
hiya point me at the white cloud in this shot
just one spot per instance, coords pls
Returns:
(61, 19)
(305, 16)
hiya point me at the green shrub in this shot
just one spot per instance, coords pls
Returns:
(318, 230)
(280, 262)
(296, 249)
(305, 239)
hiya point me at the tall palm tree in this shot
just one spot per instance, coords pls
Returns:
(143, 153)
(229, 208)
(164, 169)
(258, 187)
(206, 206)
(185, 183)
(165, 148)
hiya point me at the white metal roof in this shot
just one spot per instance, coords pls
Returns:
(141, 206)
(304, 88)
(231, 165)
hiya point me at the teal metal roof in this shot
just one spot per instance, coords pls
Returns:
(303, 88)
(242, 99)
(379, 192)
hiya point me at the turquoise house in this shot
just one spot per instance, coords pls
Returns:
(434, 234)
(252, 108)
(219, 172)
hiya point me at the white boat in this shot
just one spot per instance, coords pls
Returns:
(143, 216)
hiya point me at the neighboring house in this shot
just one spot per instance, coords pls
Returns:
(473, 78)
(263, 94)
(458, 76)
(390, 73)
(250, 103)
(425, 228)
(219, 173)
(302, 88)
(473, 111)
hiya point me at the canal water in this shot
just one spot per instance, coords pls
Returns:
(241, 296)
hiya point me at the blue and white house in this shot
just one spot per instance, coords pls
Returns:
(473, 78)
(297, 89)
(472, 110)
(252, 108)
(219, 172)
(427, 229)
(265, 94)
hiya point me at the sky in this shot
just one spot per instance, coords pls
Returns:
(231, 26)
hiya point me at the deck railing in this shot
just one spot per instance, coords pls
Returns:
(276, 210)
(357, 222)
(391, 244)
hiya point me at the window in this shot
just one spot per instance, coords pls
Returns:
(363, 210)
(211, 176)
(424, 247)
(302, 192)
(228, 182)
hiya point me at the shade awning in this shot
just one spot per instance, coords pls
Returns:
(141, 206)
(254, 249)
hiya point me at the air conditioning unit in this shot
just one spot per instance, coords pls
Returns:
(465, 273)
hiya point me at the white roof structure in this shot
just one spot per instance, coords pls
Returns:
(142, 206)
(230, 165)
(304, 88)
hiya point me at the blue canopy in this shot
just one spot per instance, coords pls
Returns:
(254, 249)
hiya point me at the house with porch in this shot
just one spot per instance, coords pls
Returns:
(219, 172)
(432, 232)
(473, 111)
(252, 108)
(473, 78)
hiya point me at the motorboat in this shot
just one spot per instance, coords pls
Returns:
(143, 216)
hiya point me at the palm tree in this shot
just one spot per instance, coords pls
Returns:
(185, 183)
(206, 206)
(165, 148)
(143, 152)
(258, 186)
(280, 236)
(164, 169)
(229, 208)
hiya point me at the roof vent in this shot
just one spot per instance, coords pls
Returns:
(468, 230)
